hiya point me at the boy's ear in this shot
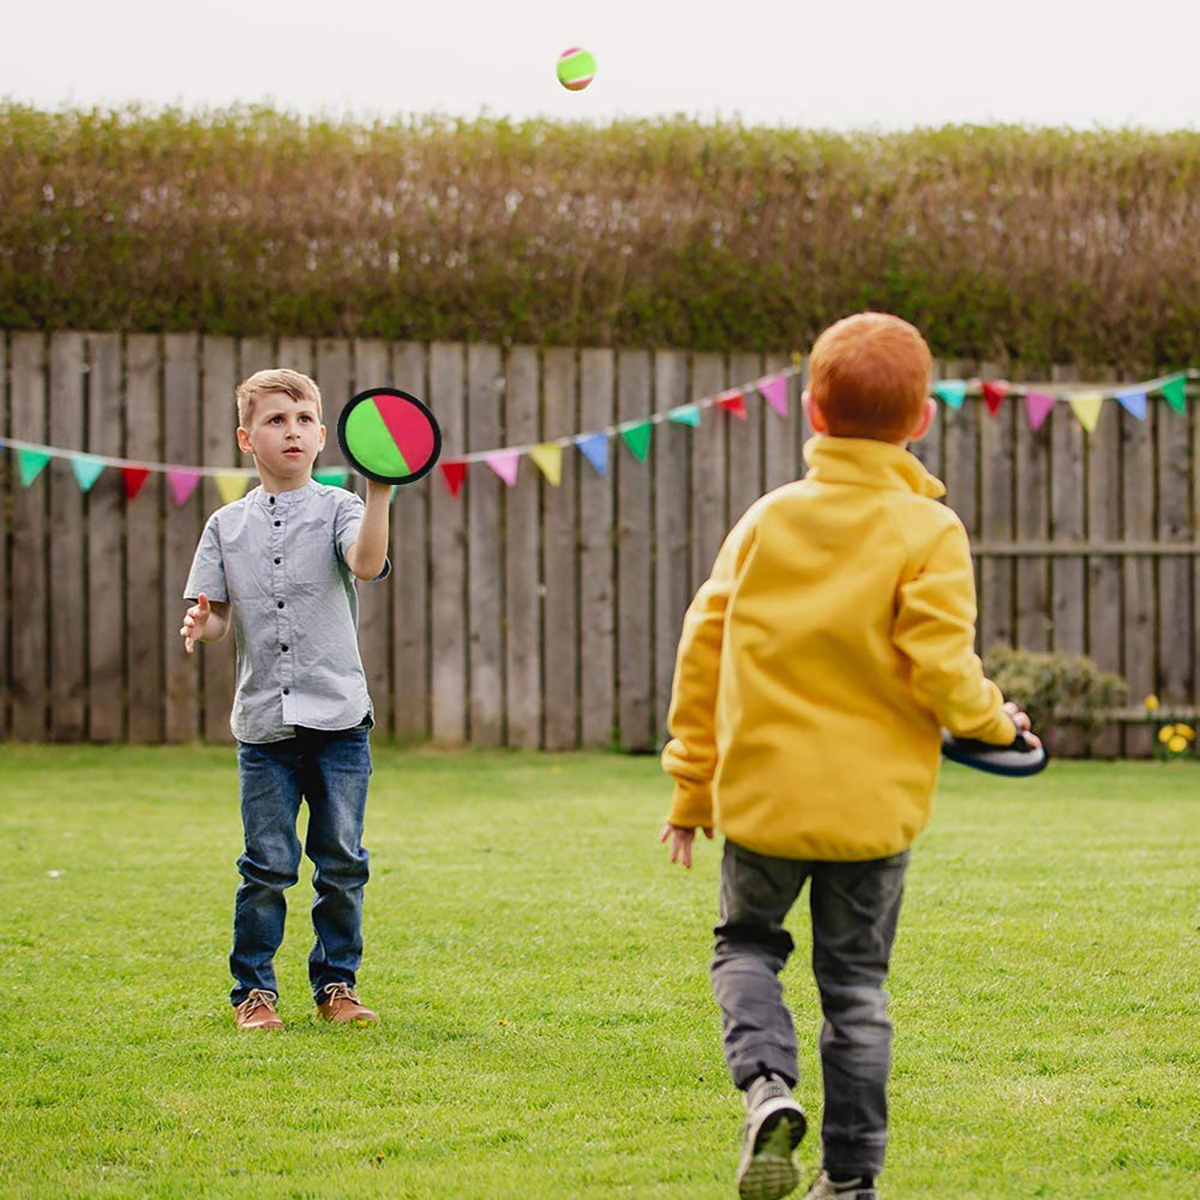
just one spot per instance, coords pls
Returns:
(925, 421)
(321, 443)
(812, 410)
(243, 440)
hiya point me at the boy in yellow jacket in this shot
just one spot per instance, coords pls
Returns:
(817, 664)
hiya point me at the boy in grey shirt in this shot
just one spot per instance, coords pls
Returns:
(279, 568)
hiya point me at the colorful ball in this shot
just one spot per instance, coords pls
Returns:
(576, 69)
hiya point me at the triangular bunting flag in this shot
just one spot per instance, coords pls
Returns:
(951, 392)
(1038, 406)
(735, 403)
(548, 457)
(637, 438)
(1087, 408)
(87, 470)
(1175, 392)
(685, 414)
(595, 450)
(505, 464)
(334, 476)
(134, 478)
(1133, 402)
(994, 391)
(30, 464)
(773, 389)
(183, 484)
(232, 487)
(454, 473)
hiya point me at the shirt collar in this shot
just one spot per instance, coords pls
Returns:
(869, 463)
(283, 499)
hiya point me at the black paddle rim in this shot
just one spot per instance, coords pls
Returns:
(414, 476)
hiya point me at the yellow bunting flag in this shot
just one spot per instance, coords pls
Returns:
(232, 487)
(1087, 408)
(548, 457)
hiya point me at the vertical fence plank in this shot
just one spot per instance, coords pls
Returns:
(1174, 524)
(411, 636)
(218, 421)
(68, 579)
(1033, 524)
(560, 556)
(708, 470)
(780, 464)
(597, 588)
(672, 542)
(486, 504)
(1138, 572)
(448, 617)
(332, 372)
(635, 621)
(6, 476)
(144, 581)
(371, 365)
(1103, 598)
(929, 448)
(30, 580)
(522, 598)
(182, 525)
(745, 438)
(997, 440)
(296, 353)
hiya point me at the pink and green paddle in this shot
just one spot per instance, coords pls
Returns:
(389, 436)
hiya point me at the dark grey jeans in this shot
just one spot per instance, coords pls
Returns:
(854, 908)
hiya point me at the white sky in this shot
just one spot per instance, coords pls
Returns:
(834, 64)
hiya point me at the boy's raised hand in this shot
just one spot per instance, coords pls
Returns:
(1021, 720)
(681, 841)
(195, 623)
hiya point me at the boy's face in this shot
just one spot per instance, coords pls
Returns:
(285, 435)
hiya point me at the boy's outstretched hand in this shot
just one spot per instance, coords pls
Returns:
(195, 623)
(681, 841)
(1021, 720)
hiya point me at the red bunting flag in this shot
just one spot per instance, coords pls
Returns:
(134, 478)
(454, 473)
(994, 391)
(735, 403)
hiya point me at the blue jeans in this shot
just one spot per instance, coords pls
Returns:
(854, 906)
(330, 771)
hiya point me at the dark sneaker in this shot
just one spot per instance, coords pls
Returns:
(257, 1011)
(850, 1189)
(775, 1125)
(342, 1005)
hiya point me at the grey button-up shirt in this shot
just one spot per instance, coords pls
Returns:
(280, 561)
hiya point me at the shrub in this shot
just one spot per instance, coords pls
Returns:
(1056, 689)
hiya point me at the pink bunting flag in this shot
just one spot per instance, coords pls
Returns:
(735, 403)
(773, 389)
(183, 484)
(505, 464)
(994, 391)
(1038, 406)
(454, 473)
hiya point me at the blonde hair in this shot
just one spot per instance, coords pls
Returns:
(291, 383)
(869, 375)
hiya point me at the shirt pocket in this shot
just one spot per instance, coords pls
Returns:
(312, 561)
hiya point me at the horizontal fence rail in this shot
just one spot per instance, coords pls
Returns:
(542, 615)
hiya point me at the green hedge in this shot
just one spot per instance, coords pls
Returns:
(999, 242)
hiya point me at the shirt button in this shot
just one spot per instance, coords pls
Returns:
(278, 523)
(284, 649)
(278, 561)
(287, 691)
(272, 499)
(280, 604)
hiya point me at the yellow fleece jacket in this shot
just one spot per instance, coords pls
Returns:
(833, 638)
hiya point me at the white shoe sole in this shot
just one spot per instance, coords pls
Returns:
(769, 1169)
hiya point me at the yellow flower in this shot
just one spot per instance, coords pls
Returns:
(1166, 733)
(1186, 731)
(1177, 744)
(1151, 702)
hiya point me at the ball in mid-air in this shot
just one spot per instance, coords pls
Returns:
(576, 69)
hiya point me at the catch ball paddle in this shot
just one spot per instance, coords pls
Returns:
(389, 436)
(1016, 759)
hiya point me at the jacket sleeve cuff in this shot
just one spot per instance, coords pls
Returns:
(691, 805)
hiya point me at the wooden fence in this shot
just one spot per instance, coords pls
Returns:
(541, 616)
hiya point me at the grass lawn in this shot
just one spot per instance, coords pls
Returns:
(547, 1027)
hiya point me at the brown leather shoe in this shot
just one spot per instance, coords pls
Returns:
(257, 1011)
(341, 1005)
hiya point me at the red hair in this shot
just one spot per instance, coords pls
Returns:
(869, 375)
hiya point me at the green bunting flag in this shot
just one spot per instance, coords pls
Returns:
(1175, 392)
(637, 438)
(685, 414)
(30, 464)
(336, 476)
(951, 392)
(87, 470)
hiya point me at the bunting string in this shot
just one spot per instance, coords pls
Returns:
(1085, 400)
